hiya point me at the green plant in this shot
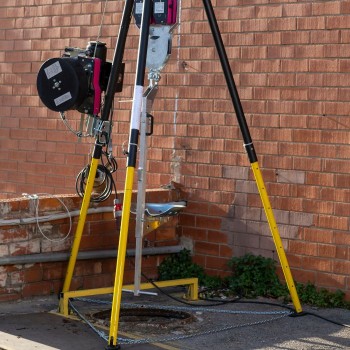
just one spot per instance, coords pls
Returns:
(309, 294)
(254, 276)
(180, 265)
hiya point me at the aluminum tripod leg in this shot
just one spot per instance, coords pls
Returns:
(248, 144)
(147, 103)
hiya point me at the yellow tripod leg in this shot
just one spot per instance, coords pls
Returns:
(79, 231)
(118, 283)
(276, 236)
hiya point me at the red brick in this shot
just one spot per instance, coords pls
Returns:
(311, 23)
(302, 248)
(323, 179)
(315, 235)
(341, 267)
(341, 238)
(206, 248)
(327, 7)
(330, 280)
(35, 289)
(288, 38)
(341, 252)
(326, 250)
(216, 263)
(34, 274)
(317, 264)
(208, 222)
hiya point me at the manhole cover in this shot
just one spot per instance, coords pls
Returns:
(147, 317)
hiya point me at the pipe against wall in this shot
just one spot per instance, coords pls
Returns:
(87, 255)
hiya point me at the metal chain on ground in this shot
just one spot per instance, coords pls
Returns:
(186, 308)
(124, 341)
(81, 316)
(211, 331)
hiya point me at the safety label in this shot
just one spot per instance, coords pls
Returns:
(63, 98)
(138, 8)
(53, 69)
(159, 7)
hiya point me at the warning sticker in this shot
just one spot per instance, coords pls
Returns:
(159, 7)
(53, 69)
(63, 98)
(138, 8)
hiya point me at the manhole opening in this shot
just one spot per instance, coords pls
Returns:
(147, 316)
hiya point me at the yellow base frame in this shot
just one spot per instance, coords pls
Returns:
(192, 293)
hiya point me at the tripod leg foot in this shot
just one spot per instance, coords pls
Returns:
(112, 347)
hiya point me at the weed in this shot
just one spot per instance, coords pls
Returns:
(252, 276)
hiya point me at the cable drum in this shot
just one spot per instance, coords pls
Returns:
(62, 83)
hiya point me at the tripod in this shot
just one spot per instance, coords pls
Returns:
(132, 155)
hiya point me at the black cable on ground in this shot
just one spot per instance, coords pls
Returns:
(217, 303)
(327, 319)
(239, 301)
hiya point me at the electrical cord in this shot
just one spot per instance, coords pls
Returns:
(218, 303)
(327, 319)
(104, 183)
(239, 301)
(36, 198)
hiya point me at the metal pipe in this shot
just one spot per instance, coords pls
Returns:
(53, 217)
(87, 255)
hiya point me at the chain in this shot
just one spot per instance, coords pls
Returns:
(81, 316)
(124, 341)
(204, 309)
(186, 308)
(211, 331)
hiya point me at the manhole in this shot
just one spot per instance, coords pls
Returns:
(147, 317)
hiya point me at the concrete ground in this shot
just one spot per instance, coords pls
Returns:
(34, 325)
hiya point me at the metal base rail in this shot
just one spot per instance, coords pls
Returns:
(192, 293)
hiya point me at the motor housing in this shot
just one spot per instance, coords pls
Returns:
(76, 80)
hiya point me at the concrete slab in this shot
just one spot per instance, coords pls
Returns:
(31, 325)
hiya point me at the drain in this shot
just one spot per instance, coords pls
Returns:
(147, 317)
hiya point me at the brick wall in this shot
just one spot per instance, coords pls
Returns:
(291, 67)
(101, 233)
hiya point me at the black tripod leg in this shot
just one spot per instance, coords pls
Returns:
(248, 144)
(117, 59)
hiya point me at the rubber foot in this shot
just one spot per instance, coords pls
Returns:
(297, 314)
(113, 347)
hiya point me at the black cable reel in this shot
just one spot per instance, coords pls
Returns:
(76, 81)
